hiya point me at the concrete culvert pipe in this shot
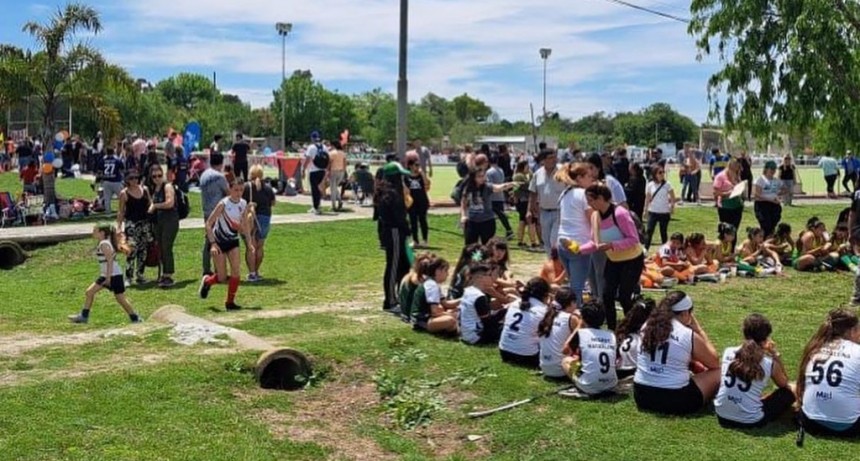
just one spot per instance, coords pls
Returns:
(277, 368)
(11, 255)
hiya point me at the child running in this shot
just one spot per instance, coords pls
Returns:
(479, 322)
(227, 221)
(629, 337)
(110, 275)
(430, 312)
(554, 330)
(591, 365)
(829, 382)
(746, 371)
(520, 343)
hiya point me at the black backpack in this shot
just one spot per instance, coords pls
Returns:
(182, 205)
(321, 159)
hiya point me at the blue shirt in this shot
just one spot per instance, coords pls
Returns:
(851, 164)
(111, 169)
(829, 166)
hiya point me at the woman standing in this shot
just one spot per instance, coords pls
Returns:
(419, 184)
(163, 207)
(132, 218)
(730, 209)
(394, 230)
(768, 210)
(575, 224)
(618, 238)
(788, 175)
(260, 198)
(476, 208)
(659, 204)
(636, 190)
(829, 381)
(522, 178)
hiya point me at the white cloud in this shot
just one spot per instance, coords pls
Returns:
(605, 57)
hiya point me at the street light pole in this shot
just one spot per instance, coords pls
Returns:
(402, 82)
(283, 30)
(544, 54)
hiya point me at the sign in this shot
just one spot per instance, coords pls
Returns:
(191, 138)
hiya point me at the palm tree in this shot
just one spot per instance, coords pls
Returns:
(62, 67)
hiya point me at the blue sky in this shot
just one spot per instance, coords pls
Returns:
(605, 56)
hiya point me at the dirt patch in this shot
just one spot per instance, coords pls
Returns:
(444, 437)
(346, 307)
(326, 419)
(21, 343)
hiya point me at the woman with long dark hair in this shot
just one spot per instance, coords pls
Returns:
(828, 383)
(520, 342)
(635, 189)
(163, 208)
(133, 220)
(476, 207)
(746, 371)
(393, 230)
(672, 341)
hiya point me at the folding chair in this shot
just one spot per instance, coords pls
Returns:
(33, 207)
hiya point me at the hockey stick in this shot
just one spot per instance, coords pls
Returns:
(480, 414)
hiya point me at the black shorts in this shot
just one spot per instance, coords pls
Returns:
(816, 428)
(227, 245)
(683, 401)
(528, 361)
(116, 285)
(523, 210)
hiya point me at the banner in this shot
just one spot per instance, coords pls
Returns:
(191, 138)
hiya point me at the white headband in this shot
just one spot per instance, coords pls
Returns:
(685, 304)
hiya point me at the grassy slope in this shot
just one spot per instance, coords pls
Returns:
(197, 405)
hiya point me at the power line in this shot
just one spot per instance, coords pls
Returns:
(649, 10)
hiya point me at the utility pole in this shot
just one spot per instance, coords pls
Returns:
(283, 29)
(402, 82)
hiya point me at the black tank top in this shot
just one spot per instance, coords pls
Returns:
(136, 208)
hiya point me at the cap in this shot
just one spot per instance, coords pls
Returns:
(770, 165)
(685, 304)
(315, 135)
(393, 169)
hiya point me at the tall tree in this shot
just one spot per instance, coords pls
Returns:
(187, 90)
(784, 62)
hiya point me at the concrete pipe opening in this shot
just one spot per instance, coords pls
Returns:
(283, 369)
(11, 255)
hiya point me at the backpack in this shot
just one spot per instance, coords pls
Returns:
(321, 159)
(457, 192)
(640, 228)
(182, 205)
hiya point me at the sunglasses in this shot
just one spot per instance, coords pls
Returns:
(158, 176)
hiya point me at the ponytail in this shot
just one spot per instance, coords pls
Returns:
(536, 288)
(545, 326)
(747, 363)
(659, 325)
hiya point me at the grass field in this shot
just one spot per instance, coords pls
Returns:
(80, 188)
(73, 392)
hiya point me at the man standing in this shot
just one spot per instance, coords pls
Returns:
(109, 172)
(213, 188)
(621, 166)
(850, 164)
(337, 173)
(505, 162)
(495, 175)
(543, 199)
(425, 159)
(316, 162)
(240, 157)
(718, 162)
(830, 169)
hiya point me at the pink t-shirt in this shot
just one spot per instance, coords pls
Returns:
(722, 184)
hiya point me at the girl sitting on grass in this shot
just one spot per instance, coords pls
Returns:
(479, 322)
(672, 260)
(841, 251)
(560, 321)
(110, 275)
(553, 271)
(746, 371)
(471, 254)
(782, 243)
(430, 312)
(629, 338)
(592, 353)
(497, 249)
(520, 343)
(828, 384)
(755, 257)
(700, 255)
(410, 283)
(724, 248)
(812, 247)
(229, 219)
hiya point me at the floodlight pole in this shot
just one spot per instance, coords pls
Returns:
(544, 54)
(283, 30)
(402, 82)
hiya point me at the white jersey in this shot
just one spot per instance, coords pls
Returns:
(551, 346)
(103, 261)
(229, 224)
(738, 400)
(597, 355)
(669, 366)
(520, 335)
(471, 324)
(628, 351)
(832, 377)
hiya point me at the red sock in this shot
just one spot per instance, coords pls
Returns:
(232, 288)
(211, 280)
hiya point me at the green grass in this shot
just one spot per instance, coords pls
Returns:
(80, 188)
(105, 401)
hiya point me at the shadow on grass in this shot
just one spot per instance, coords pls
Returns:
(225, 311)
(267, 282)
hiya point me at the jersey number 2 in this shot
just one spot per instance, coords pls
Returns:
(518, 317)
